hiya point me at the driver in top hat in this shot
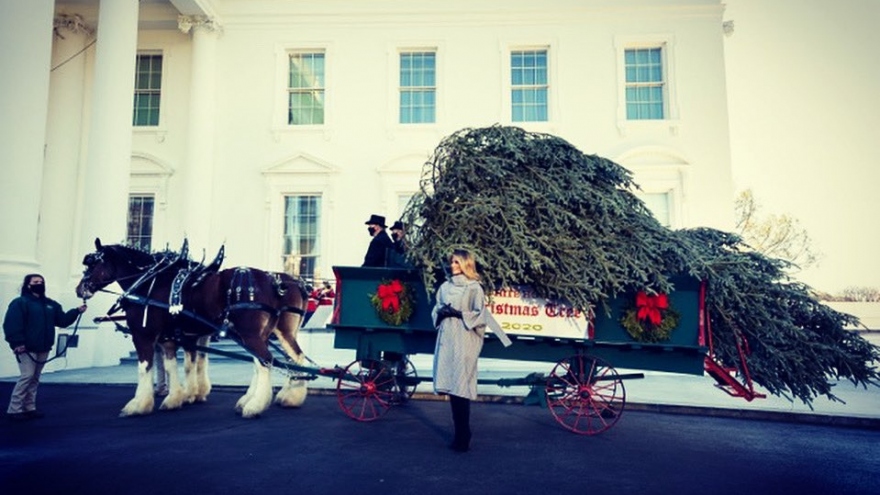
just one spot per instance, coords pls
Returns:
(380, 244)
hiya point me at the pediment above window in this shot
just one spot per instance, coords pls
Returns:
(301, 164)
(651, 156)
(143, 164)
(407, 164)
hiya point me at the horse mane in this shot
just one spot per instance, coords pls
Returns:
(134, 255)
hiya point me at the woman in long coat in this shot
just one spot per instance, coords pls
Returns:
(460, 316)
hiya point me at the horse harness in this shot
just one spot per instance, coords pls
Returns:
(242, 291)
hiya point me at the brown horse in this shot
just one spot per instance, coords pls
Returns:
(169, 299)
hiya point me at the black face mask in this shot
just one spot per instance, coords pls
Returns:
(372, 231)
(395, 236)
(38, 289)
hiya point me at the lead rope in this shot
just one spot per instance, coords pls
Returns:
(58, 354)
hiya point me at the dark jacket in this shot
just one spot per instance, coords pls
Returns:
(30, 321)
(377, 251)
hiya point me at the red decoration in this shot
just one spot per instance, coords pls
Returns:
(649, 307)
(389, 295)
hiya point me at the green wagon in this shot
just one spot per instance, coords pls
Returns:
(583, 390)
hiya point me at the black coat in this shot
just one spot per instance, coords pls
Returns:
(30, 321)
(377, 251)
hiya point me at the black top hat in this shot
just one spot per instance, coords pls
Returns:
(398, 225)
(376, 220)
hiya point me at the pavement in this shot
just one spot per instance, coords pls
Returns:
(82, 447)
(656, 392)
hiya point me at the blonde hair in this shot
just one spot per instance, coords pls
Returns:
(467, 263)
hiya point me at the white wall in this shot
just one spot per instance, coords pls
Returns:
(361, 158)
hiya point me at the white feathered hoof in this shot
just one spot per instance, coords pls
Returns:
(253, 409)
(292, 395)
(242, 401)
(172, 402)
(137, 407)
(204, 391)
(190, 397)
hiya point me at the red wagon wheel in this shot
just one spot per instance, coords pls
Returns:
(365, 390)
(585, 394)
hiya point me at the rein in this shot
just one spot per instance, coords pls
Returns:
(149, 275)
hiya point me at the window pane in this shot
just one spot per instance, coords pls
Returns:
(645, 87)
(306, 89)
(659, 204)
(147, 90)
(301, 239)
(417, 87)
(529, 86)
(140, 221)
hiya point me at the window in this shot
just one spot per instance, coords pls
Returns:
(529, 86)
(418, 87)
(302, 217)
(645, 85)
(147, 89)
(659, 204)
(140, 221)
(402, 202)
(305, 88)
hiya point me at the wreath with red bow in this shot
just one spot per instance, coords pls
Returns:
(651, 318)
(393, 301)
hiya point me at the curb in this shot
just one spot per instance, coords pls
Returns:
(858, 422)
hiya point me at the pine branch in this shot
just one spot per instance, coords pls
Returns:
(536, 211)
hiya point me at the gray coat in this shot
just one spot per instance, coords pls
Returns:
(459, 340)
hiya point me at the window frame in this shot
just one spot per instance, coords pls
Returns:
(527, 87)
(307, 90)
(666, 44)
(400, 88)
(150, 176)
(283, 51)
(128, 237)
(319, 234)
(506, 49)
(661, 83)
(162, 85)
(298, 175)
(392, 116)
(661, 170)
(669, 193)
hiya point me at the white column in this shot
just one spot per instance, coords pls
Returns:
(64, 150)
(198, 169)
(26, 38)
(108, 163)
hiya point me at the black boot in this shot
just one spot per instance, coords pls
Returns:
(461, 418)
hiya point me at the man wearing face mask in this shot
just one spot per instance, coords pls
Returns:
(398, 235)
(380, 244)
(29, 327)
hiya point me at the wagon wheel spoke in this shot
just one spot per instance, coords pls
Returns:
(406, 380)
(585, 394)
(365, 390)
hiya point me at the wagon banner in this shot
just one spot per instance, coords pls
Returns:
(520, 312)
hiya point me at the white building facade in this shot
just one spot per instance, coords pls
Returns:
(277, 127)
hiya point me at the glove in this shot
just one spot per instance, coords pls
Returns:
(447, 311)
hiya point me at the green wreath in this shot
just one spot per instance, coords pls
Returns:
(393, 302)
(650, 319)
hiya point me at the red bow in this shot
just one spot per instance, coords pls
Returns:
(388, 294)
(649, 307)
